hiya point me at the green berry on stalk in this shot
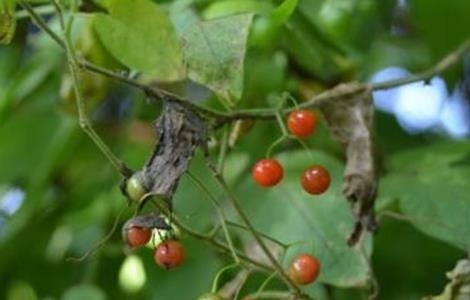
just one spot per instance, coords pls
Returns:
(134, 188)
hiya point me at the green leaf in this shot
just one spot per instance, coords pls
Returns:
(215, 52)
(320, 223)
(431, 184)
(230, 7)
(283, 11)
(7, 21)
(141, 36)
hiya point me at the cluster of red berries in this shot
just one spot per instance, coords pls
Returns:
(169, 253)
(269, 172)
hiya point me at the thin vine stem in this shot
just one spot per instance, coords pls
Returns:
(236, 205)
(74, 70)
(276, 241)
(208, 238)
(264, 285)
(216, 280)
(223, 149)
(276, 143)
(220, 213)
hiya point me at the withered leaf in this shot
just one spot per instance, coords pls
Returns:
(350, 119)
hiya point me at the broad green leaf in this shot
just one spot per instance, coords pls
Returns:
(230, 7)
(432, 186)
(214, 53)
(183, 16)
(320, 223)
(141, 36)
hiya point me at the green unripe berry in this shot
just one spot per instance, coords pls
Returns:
(210, 296)
(134, 188)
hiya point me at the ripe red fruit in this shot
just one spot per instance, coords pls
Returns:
(304, 269)
(316, 180)
(267, 172)
(301, 123)
(137, 236)
(170, 254)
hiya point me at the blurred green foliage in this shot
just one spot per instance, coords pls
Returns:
(72, 193)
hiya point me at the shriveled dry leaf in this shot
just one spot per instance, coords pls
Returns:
(350, 118)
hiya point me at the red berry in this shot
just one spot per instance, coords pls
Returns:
(315, 180)
(170, 254)
(304, 269)
(301, 123)
(267, 172)
(137, 236)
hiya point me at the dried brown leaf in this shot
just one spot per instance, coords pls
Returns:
(350, 119)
